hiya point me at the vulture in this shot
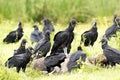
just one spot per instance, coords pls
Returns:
(53, 61)
(43, 46)
(36, 35)
(19, 61)
(89, 37)
(113, 29)
(112, 54)
(14, 36)
(63, 39)
(22, 48)
(73, 60)
(48, 26)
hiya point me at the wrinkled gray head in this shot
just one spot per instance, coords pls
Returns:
(46, 21)
(24, 41)
(35, 27)
(73, 22)
(47, 32)
(95, 24)
(19, 24)
(79, 48)
(47, 35)
(117, 22)
(115, 16)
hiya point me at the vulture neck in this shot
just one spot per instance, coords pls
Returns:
(47, 24)
(94, 29)
(104, 45)
(20, 29)
(70, 28)
(36, 29)
(22, 45)
(47, 37)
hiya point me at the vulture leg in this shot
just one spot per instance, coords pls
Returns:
(24, 68)
(18, 69)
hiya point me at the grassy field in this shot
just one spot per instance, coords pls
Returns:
(87, 72)
(57, 10)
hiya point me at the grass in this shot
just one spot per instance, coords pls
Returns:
(87, 72)
(57, 10)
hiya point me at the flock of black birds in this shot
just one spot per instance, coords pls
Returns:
(61, 46)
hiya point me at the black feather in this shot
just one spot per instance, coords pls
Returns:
(89, 37)
(20, 61)
(113, 29)
(22, 48)
(112, 54)
(14, 36)
(36, 35)
(48, 26)
(74, 58)
(43, 46)
(64, 38)
(54, 60)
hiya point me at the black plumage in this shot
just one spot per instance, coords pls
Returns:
(14, 36)
(36, 35)
(89, 37)
(64, 38)
(113, 29)
(112, 54)
(22, 48)
(19, 61)
(43, 46)
(73, 60)
(54, 60)
(48, 26)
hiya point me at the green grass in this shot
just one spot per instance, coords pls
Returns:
(87, 72)
(57, 10)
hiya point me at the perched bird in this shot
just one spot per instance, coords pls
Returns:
(48, 26)
(113, 29)
(112, 54)
(20, 61)
(22, 48)
(89, 37)
(54, 60)
(74, 58)
(43, 46)
(63, 39)
(14, 36)
(36, 35)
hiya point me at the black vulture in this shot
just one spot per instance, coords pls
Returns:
(112, 54)
(54, 60)
(48, 26)
(43, 46)
(22, 48)
(90, 36)
(14, 36)
(73, 60)
(113, 29)
(20, 61)
(63, 39)
(36, 35)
